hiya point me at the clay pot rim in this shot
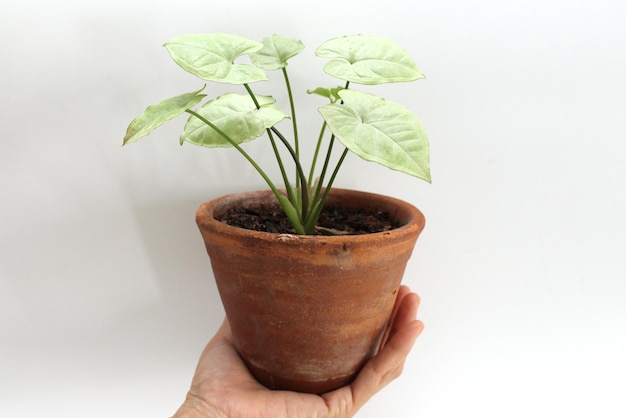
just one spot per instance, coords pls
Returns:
(414, 218)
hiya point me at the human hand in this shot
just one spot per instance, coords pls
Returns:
(222, 386)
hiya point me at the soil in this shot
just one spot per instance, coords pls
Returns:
(332, 221)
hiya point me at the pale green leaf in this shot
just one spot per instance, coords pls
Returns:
(368, 60)
(236, 116)
(276, 51)
(212, 57)
(380, 131)
(155, 115)
(330, 94)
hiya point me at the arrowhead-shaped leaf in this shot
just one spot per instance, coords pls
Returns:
(380, 131)
(212, 57)
(235, 115)
(155, 115)
(276, 51)
(368, 60)
(330, 94)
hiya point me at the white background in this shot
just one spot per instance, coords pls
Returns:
(106, 295)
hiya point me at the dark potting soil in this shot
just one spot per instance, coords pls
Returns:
(332, 221)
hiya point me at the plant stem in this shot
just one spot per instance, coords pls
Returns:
(290, 192)
(304, 192)
(252, 95)
(324, 168)
(309, 225)
(294, 123)
(332, 177)
(327, 161)
(317, 151)
(279, 159)
(292, 106)
(285, 203)
(236, 146)
(298, 183)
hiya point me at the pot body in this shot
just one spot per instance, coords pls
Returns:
(307, 312)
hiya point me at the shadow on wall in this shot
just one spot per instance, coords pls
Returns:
(121, 298)
(179, 261)
(189, 309)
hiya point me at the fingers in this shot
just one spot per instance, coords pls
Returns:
(386, 365)
(406, 313)
(222, 338)
(224, 330)
(389, 362)
(402, 293)
(223, 335)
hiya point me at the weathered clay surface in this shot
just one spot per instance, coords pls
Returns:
(308, 311)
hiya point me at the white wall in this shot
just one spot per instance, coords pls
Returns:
(106, 295)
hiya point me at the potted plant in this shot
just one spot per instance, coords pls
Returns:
(306, 281)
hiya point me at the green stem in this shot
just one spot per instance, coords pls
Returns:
(327, 160)
(332, 177)
(279, 159)
(296, 140)
(309, 225)
(293, 113)
(236, 146)
(252, 95)
(304, 192)
(324, 168)
(285, 203)
(283, 172)
(317, 151)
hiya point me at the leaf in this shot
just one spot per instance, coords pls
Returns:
(276, 51)
(234, 114)
(368, 60)
(212, 57)
(330, 94)
(155, 115)
(380, 131)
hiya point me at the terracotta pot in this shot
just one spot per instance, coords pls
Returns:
(307, 312)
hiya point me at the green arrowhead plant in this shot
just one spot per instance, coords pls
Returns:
(371, 127)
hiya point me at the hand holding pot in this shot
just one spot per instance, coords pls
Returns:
(222, 387)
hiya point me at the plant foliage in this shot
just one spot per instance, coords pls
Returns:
(371, 127)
